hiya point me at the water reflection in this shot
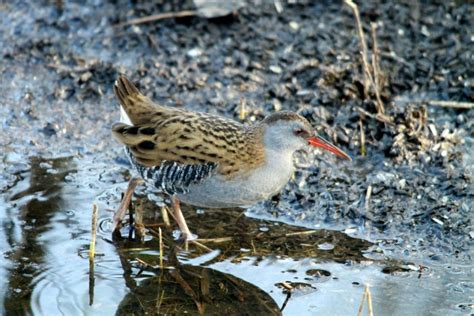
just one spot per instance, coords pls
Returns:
(185, 289)
(31, 205)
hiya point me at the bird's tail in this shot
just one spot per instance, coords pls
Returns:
(135, 107)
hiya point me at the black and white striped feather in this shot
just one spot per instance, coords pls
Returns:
(171, 177)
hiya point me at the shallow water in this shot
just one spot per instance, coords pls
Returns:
(46, 235)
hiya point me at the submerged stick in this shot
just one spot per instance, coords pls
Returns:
(93, 231)
(369, 300)
(366, 296)
(288, 296)
(92, 253)
(361, 306)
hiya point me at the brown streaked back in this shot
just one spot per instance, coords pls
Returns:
(167, 134)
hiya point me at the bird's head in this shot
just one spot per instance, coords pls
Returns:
(288, 131)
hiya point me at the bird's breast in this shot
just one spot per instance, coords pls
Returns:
(244, 189)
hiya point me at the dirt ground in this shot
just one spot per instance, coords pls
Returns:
(409, 188)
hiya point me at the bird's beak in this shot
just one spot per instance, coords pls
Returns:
(317, 141)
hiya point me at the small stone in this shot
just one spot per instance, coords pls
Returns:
(326, 246)
(402, 183)
(195, 52)
(437, 221)
(294, 26)
(276, 69)
(86, 76)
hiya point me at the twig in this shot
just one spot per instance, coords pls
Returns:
(94, 232)
(363, 150)
(157, 17)
(452, 104)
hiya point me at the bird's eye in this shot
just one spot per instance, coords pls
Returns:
(298, 131)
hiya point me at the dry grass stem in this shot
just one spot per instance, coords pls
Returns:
(307, 232)
(363, 150)
(376, 69)
(197, 243)
(242, 109)
(368, 194)
(147, 265)
(94, 231)
(127, 250)
(139, 226)
(160, 238)
(378, 117)
(368, 75)
(363, 44)
(215, 240)
(157, 17)
(164, 215)
(452, 104)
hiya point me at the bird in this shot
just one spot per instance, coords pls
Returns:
(206, 160)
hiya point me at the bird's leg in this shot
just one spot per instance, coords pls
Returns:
(179, 218)
(127, 198)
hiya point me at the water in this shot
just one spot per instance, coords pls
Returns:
(46, 236)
